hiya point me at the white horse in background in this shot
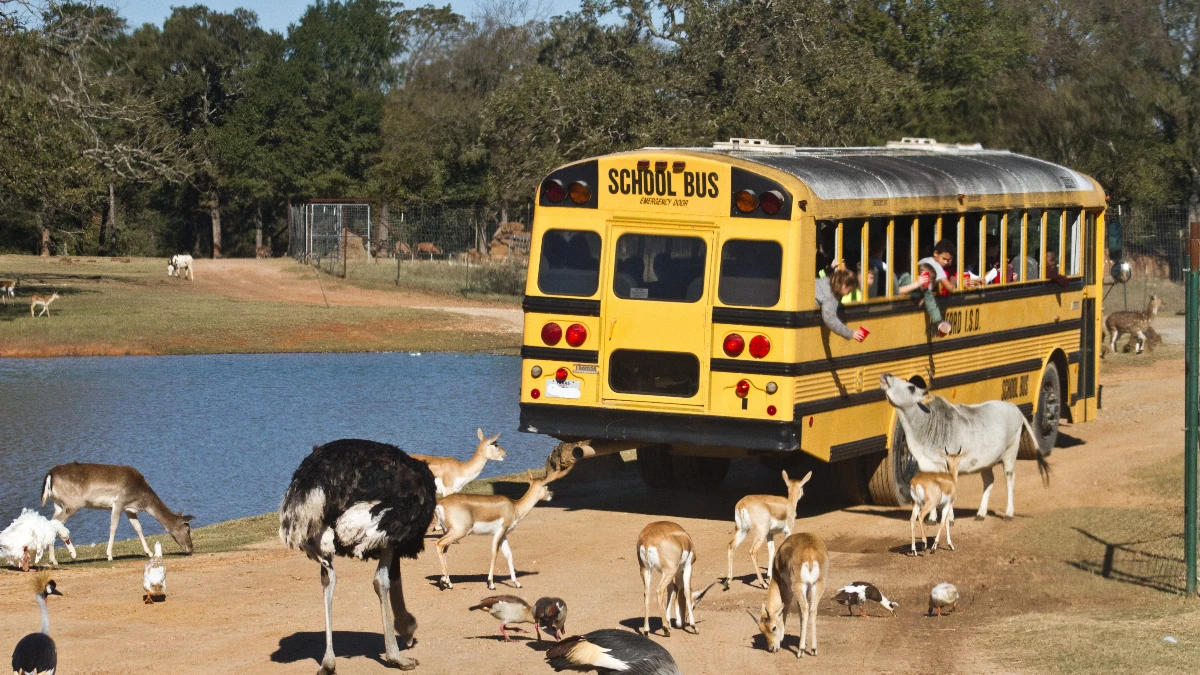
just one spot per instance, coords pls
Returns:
(181, 266)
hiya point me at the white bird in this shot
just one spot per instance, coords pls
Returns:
(943, 596)
(29, 536)
(154, 579)
(857, 593)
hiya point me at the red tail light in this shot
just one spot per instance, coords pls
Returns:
(535, 394)
(576, 335)
(580, 192)
(560, 374)
(760, 346)
(771, 410)
(551, 334)
(743, 389)
(771, 202)
(746, 201)
(554, 190)
(733, 345)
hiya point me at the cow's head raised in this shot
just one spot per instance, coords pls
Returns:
(903, 394)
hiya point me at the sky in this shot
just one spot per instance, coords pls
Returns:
(277, 14)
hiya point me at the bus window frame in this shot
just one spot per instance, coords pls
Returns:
(1042, 273)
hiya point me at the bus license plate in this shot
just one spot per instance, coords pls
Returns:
(564, 389)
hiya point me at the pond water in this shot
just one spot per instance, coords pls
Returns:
(219, 436)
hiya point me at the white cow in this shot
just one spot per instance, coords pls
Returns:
(181, 265)
(988, 434)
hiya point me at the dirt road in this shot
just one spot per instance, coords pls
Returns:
(1031, 602)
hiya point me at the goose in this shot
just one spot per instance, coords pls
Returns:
(35, 654)
(551, 615)
(154, 579)
(609, 650)
(507, 609)
(943, 596)
(857, 593)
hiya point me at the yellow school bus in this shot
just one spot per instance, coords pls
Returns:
(670, 303)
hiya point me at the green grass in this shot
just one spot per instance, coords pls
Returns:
(499, 283)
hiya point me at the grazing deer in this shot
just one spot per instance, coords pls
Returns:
(665, 547)
(451, 475)
(762, 517)
(1134, 324)
(800, 571)
(77, 486)
(8, 289)
(44, 301)
(932, 490)
(428, 247)
(497, 515)
(403, 248)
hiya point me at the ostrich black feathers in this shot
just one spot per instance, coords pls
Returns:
(609, 650)
(35, 653)
(342, 473)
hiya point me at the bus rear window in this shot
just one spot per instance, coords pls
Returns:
(750, 273)
(652, 267)
(570, 263)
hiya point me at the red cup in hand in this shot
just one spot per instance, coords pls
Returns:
(925, 279)
(861, 334)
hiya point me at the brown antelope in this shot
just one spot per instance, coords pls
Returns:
(77, 486)
(428, 247)
(8, 289)
(664, 547)
(497, 515)
(762, 517)
(44, 301)
(800, 571)
(931, 490)
(451, 475)
(403, 248)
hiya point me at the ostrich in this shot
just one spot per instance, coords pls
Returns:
(364, 500)
(36, 653)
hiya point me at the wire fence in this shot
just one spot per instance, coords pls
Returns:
(1153, 243)
(354, 238)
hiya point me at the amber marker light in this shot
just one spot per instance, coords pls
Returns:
(746, 201)
(580, 192)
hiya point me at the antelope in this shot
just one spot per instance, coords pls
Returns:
(428, 247)
(44, 301)
(762, 517)
(930, 491)
(451, 475)
(497, 515)
(403, 248)
(664, 547)
(77, 486)
(8, 289)
(800, 571)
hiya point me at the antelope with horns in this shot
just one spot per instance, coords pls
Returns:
(462, 514)
(665, 547)
(120, 489)
(800, 572)
(451, 475)
(762, 517)
(932, 490)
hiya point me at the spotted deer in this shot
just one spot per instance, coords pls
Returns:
(800, 572)
(1132, 323)
(761, 517)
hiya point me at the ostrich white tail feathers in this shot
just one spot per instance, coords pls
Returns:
(301, 517)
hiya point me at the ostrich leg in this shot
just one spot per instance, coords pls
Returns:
(383, 584)
(329, 581)
(406, 623)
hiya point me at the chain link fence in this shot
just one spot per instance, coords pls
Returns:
(1153, 243)
(429, 246)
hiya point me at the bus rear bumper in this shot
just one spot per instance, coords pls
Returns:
(565, 422)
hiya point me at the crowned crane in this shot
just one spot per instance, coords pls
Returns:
(363, 500)
(154, 579)
(943, 596)
(35, 653)
(857, 593)
(609, 650)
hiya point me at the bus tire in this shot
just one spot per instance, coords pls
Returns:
(853, 478)
(655, 466)
(889, 483)
(700, 474)
(1045, 418)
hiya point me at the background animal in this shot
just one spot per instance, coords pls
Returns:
(761, 517)
(857, 593)
(989, 433)
(800, 572)
(610, 650)
(930, 491)
(943, 596)
(181, 265)
(36, 652)
(364, 500)
(27, 537)
(450, 475)
(1134, 324)
(8, 289)
(154, 578)
(403, 248)
(428, 247)
(43, 300)
(120, 489)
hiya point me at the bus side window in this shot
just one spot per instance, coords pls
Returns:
(1053, 241)
(1073, 240)
(993, 231)
(874, 281)
(827, 253)
(1033, 246)
(974, 260)
(1015, 238)
(903, 261)
(852, 243)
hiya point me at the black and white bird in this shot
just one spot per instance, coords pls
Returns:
(857, 593)
(364, 500)
(943, 598)
(551, 616)
(609, 650)
(36, 653)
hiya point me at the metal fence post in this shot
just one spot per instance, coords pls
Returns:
(1191, 402)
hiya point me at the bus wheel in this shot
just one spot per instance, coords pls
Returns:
(700, 474)
(889, 483)
(655, 467)
(853, 478)
(1045, 420)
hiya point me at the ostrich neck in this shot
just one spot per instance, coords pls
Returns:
(41, 600)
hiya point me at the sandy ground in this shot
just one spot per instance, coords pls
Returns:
(259, 611)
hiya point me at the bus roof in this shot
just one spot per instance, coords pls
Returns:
(901, 171)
